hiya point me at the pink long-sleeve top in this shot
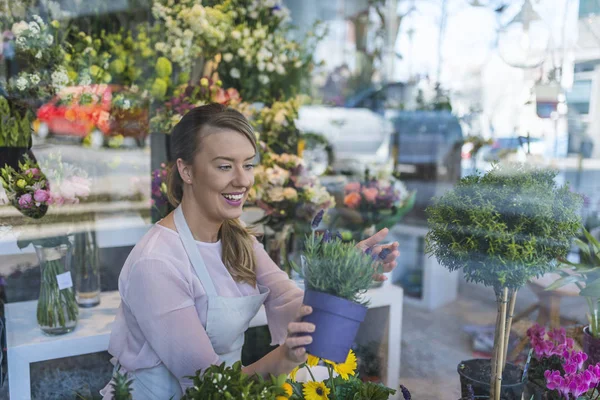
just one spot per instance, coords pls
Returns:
(162, 316)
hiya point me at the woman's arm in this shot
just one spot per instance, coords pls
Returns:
(163, 305)
(288, 356)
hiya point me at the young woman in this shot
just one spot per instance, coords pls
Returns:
(192, 284)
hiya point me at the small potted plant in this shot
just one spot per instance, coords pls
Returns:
(229, 382)
(336, 274)
(547, 353)
(502, 229)
(586, 275)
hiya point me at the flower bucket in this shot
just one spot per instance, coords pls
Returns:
(477, 373)
(591, 347)
(336, 325)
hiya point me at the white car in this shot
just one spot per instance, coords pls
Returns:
(360, 137)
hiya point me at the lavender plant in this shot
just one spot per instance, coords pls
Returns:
(330, 265)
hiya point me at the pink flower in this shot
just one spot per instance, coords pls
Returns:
(352, 200)
(352, 187)
(41, 195)
(33, 171)
(370, 194)
(25, 200)
(81, 186)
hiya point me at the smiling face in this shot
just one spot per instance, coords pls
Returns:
(221, 175)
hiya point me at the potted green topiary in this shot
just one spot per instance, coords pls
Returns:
(586, 275)
(502, 229)
(336, 275)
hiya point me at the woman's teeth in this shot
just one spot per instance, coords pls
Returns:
(233, 197)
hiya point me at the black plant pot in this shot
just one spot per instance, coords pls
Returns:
(12, 155)
(477, 373)
(535, 390)
(591, 347)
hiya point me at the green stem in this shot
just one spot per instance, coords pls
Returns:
(310, 373)
(330, 369)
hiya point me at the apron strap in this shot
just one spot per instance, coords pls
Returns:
(193, 253)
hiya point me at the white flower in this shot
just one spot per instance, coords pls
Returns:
(277, 175)
(253, 15)
(248, 41)
(85, 80)
(241, 52)
(260, 33)
(270, 67)
(39, 20)
(160, 46)
(263, 79)
(261, 66)
(235, 73)
(38, 55)
(21, 42)
(49, 40)
(60, 78)
(188, 34)
(246, 32)
(22, 83)
(134, 89)
(298, 64)
(276, 194)
(270, 3)
(280, 69)
(282, 58)
(237, 35)
(18, 28)
(34, 79)
(126, 105)
(34, 27)
(227, 57)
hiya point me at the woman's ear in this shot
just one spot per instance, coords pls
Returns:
(185, 171)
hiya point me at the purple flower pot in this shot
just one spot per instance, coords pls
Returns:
(336, 325)
(591, 347)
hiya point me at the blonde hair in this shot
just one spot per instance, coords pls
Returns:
(186, 139)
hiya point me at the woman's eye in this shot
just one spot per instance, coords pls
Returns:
(249, 166)
(225, 167)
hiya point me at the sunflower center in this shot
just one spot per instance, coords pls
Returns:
(320, 391)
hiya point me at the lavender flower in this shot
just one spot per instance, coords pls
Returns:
(326, 237)
(317, 219)
(405, 393)
(384, 253)
(339, 237)
(369, 250)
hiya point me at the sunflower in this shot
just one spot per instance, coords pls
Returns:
(346, 368)
(312, 361)
(293, 373)
(289, 390)
(315, 391)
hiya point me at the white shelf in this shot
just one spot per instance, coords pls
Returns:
(26, 343)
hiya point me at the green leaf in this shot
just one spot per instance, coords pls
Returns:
(565, 281)
(591, 289)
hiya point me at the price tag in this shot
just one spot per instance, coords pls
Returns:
(64, 281)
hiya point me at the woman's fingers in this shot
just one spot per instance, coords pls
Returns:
(304, 311)
(295, 328)
(298, 341)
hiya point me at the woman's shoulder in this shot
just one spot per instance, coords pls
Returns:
(159, 244)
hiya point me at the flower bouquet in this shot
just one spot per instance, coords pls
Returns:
(336, 275)
(374, 204)
(556, 371)
(32, 193)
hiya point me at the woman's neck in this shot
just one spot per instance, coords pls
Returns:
(203, 229)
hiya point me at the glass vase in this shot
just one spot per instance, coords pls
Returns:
(57, 311)
(86, 269)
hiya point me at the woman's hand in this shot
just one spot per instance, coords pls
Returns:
(389, 252)
(298, 337)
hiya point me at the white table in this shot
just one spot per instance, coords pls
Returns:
(26, 343)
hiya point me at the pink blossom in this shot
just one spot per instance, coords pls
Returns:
(370, 194)
(41, 195)
(25, 200)
(352, 187)
(81, 186)
(33, 171)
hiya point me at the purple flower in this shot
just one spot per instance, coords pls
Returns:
(405, 393)
(339, 237)
(41, 195)
(326, 237)
(317, 219)
(25, 200)
(384, 253)
(369, 250)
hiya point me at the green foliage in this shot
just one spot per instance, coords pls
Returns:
(337, 268)
(15, 127)
(351, 389)
(219, 382)
(586, 275)
(505, 227)
(121, 387)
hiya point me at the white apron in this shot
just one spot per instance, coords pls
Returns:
(227, 319)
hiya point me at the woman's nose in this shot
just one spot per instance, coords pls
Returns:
(242, 178)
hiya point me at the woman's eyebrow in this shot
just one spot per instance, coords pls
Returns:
(232, 159)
